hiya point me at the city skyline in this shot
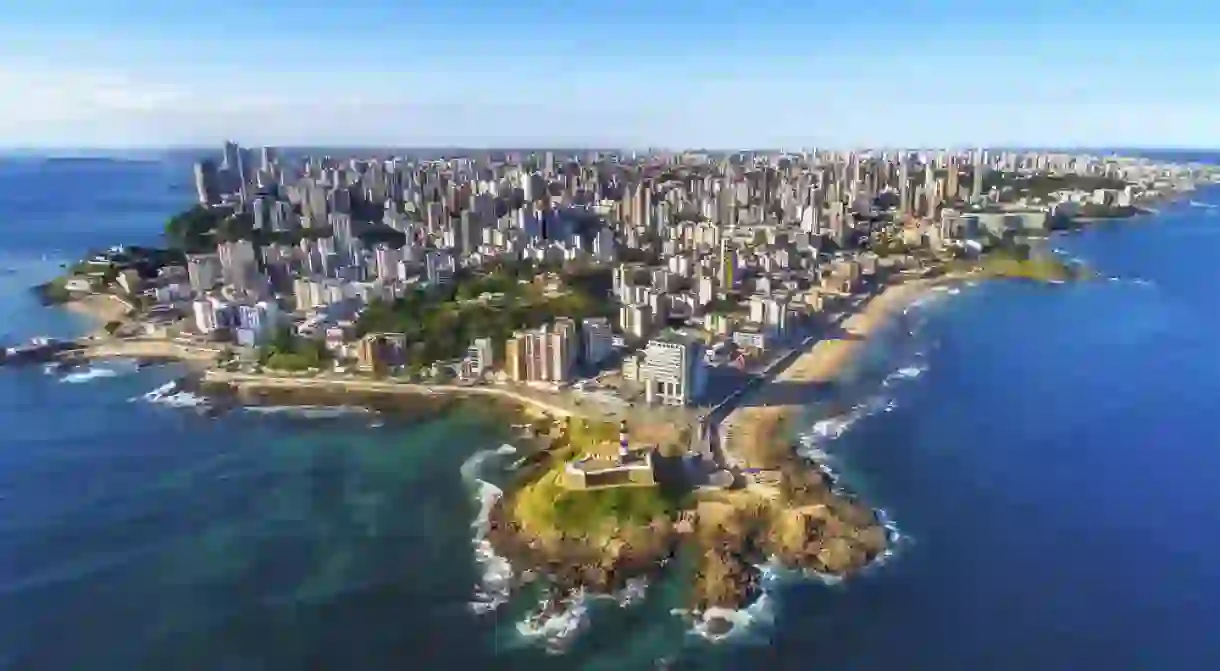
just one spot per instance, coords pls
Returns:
(715, 75)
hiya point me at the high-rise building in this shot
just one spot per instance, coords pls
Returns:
(267, 158)
(205, 316)
(564, 345)
(203, 271)
(635, 319)
(951, 177)
(674, 370)
(238, 264)
(727, 272)
(207, 182)
(980, 171)
(479, 356)
(597, 339)
(544, 354)
(439, 268)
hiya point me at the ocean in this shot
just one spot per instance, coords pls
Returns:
(1048, 455)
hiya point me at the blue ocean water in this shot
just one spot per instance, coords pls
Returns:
(1048, 453)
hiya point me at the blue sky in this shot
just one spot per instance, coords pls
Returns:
(128, 73)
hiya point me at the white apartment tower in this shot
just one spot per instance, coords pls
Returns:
(674, 370)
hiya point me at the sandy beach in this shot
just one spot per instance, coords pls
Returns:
(757, 432)
(99, 308)
(148, 348)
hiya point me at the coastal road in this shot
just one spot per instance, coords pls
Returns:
(714, 431)
(357, 384)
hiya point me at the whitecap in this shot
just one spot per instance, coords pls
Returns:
(95, 371)
(88, 375)
(830, 429)
(905, 373)
(494, 585)
(635, 591)
(745, 623)
(557, 625)
(170, 394)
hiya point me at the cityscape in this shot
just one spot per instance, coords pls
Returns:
(655, 324)
(627, 284)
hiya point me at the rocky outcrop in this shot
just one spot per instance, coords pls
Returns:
(602, 565)
(805, 523)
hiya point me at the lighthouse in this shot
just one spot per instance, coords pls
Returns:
(622, 440)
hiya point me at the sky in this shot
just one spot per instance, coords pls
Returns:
(614, 73)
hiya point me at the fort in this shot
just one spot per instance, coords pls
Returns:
(632, 467)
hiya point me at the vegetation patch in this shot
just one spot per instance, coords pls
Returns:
(440, 324)
(546, 508)
(290, 352)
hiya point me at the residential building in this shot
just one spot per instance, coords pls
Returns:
(674, 370)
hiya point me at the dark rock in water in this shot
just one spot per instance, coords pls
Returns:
(718, 626)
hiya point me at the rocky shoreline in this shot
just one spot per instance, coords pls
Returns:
(726, 538)
(410, 407)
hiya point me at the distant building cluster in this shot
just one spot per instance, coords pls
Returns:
(712, 260)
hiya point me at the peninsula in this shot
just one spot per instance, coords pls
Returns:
(664, 317)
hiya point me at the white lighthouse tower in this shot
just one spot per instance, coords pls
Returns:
(622, 441)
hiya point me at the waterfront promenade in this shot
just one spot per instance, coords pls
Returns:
(354, 384)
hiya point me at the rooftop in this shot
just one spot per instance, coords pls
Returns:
(637, 458)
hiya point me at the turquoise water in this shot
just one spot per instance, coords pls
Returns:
(1048, 454)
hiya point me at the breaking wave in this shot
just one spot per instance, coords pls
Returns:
(95, 371)
(557, 623)
(493, 588)
(172, 394)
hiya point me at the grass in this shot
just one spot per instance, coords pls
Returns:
(1040, 269)
(546, 508)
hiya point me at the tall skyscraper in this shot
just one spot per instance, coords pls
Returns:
(980, 171)
(207, 182)
(268, 158)
(951, 178)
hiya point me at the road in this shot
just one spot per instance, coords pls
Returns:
(710, 438)
(357, 384)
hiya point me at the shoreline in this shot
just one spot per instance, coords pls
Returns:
(254, 383)
(99, 309)
(755, 434)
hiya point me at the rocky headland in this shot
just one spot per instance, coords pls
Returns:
(600, 540)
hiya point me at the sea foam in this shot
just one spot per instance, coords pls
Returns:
(557, 625)
(494, 584)
(171, 394)
(97, 370)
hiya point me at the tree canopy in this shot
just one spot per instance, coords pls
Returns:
(438, 327)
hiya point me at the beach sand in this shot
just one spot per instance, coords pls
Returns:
(99, 308)
(758, 432)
